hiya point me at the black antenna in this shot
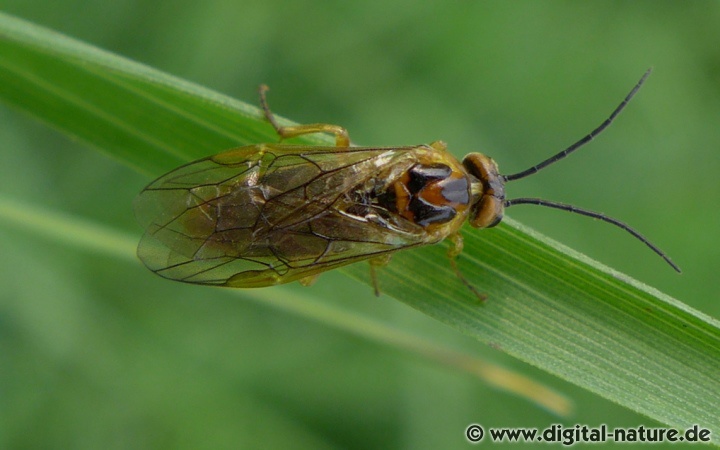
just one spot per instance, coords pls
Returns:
(594, 215)
(590, 136)
(565, 207)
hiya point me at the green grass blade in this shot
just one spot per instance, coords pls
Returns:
(92, 237)
(547, 305)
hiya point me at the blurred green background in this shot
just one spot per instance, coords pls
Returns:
(97, 352)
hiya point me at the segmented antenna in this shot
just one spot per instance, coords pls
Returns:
(570, 208)
(589, 137)
(594, 215)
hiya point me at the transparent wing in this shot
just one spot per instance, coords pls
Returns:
(269, 214)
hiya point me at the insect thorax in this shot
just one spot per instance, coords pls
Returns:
(425, 195)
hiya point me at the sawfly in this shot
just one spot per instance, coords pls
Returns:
(268, 214)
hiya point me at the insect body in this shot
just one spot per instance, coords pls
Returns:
(268, 214)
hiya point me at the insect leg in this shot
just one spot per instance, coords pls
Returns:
(342, 139)
(309, 280)
(378, 261)
(455, 249)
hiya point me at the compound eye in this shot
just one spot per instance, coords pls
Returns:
(490, 206)
(487, 213)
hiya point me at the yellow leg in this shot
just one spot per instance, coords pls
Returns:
(309, 280)
(378, 261)
(457, 245)
(342, 139)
